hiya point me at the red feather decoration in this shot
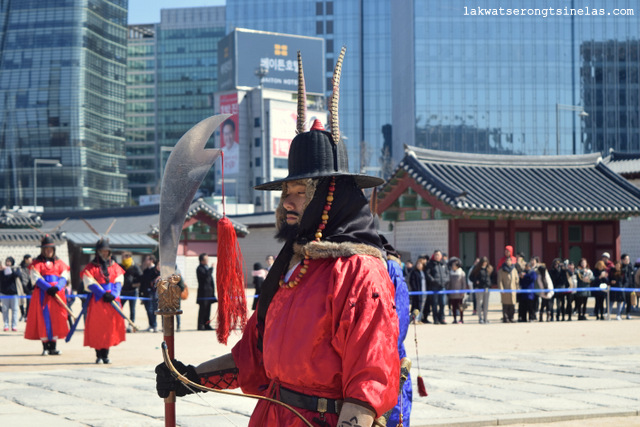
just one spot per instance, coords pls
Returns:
(232, 303)
(422, 390)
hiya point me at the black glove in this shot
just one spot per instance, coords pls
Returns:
(108, 297)
(52, 291)
(166, 383)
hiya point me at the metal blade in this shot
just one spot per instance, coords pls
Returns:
(186, 167)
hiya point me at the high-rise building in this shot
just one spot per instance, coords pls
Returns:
(548, 77)
(140, 135)
(610, 85)
(172, 77)
(258, 82)
(365, 89)
(62, 98)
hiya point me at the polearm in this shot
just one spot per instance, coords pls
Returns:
(186, 167)
(65, 306)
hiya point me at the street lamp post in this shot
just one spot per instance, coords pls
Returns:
(35, 176)
(578, 109)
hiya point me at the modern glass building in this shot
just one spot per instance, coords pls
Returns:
(172, 77)
(62, 99)
(140, 133)
(551, 77)
(365, 89)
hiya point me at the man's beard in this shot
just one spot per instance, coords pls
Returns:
(287, 231)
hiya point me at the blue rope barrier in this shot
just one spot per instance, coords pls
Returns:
(523, 291)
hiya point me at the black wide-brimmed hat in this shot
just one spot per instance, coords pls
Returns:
(318, 153)
(102, 244)
(47, 242)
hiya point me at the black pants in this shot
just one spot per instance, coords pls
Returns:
(546, 306)
(581, 306)
(560, 308)
(204, 313)
(599, 309)
(528, 309)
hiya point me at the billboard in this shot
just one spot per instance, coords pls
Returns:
(242, 52)
(283, 127)
(229, 134)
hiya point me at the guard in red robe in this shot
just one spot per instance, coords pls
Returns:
(104, 325)
(47, 317)
(324, 337)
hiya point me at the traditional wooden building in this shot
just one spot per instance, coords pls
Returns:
(472, 205)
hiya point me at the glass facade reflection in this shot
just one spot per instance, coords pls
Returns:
(172, 76)
(141, 147)
(365, 87)
(62, 93)
(517, 84)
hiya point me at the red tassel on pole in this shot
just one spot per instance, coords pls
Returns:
(232, 302)
(422, 390)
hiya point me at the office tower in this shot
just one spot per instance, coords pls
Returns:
(364, 28)
(62, 96)
(175, 74)
(539, 78)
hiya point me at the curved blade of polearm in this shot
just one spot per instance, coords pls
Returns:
(186, 167)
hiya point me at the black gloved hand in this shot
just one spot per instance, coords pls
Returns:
(108, 297)
(166, 383)
(52, 291)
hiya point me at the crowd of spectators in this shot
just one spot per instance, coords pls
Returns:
(559, 292)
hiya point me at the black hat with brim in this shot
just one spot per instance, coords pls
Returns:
(47, 242)
(314, 155)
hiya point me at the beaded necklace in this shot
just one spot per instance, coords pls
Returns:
(323, 224)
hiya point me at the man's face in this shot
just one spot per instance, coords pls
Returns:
(437, 256)
(270, 260)
(8, 263)
(507, 253)
(48, 252)
(625, 260)
(28, 261)
(294, 201)
(228, 135)
(104, 253)
(205, 260)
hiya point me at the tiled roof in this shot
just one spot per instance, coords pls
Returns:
(11, 219)
(115, 240)
(134, 220)
(21, 237)
(201, 206)
(623, 163)
(558, 185)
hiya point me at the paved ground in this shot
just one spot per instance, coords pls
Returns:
(560, 374)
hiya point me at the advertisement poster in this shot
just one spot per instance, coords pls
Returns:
(229, 134)
(283, 128)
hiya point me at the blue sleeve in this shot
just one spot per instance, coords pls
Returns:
(97, 291)
(116, 288)
(401, 301)
(42, 284)
(62, 282)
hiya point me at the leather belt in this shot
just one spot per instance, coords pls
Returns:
(310, 403)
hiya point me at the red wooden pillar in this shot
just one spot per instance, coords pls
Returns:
(511, 234)
(454, 239)
(565, 239)
(492, 241)
(616, 234)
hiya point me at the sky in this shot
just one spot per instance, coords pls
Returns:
(148, 11)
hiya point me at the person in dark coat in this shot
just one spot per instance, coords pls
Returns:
(27, 285)
(148, 290)
(418, 283)
(206, 292)
(527, 302)
(558, 273)
(131, 285)
(258, 275)
(437, 273)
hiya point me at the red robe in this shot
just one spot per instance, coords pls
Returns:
(104, 327)
(334, 336)
(47, 318)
